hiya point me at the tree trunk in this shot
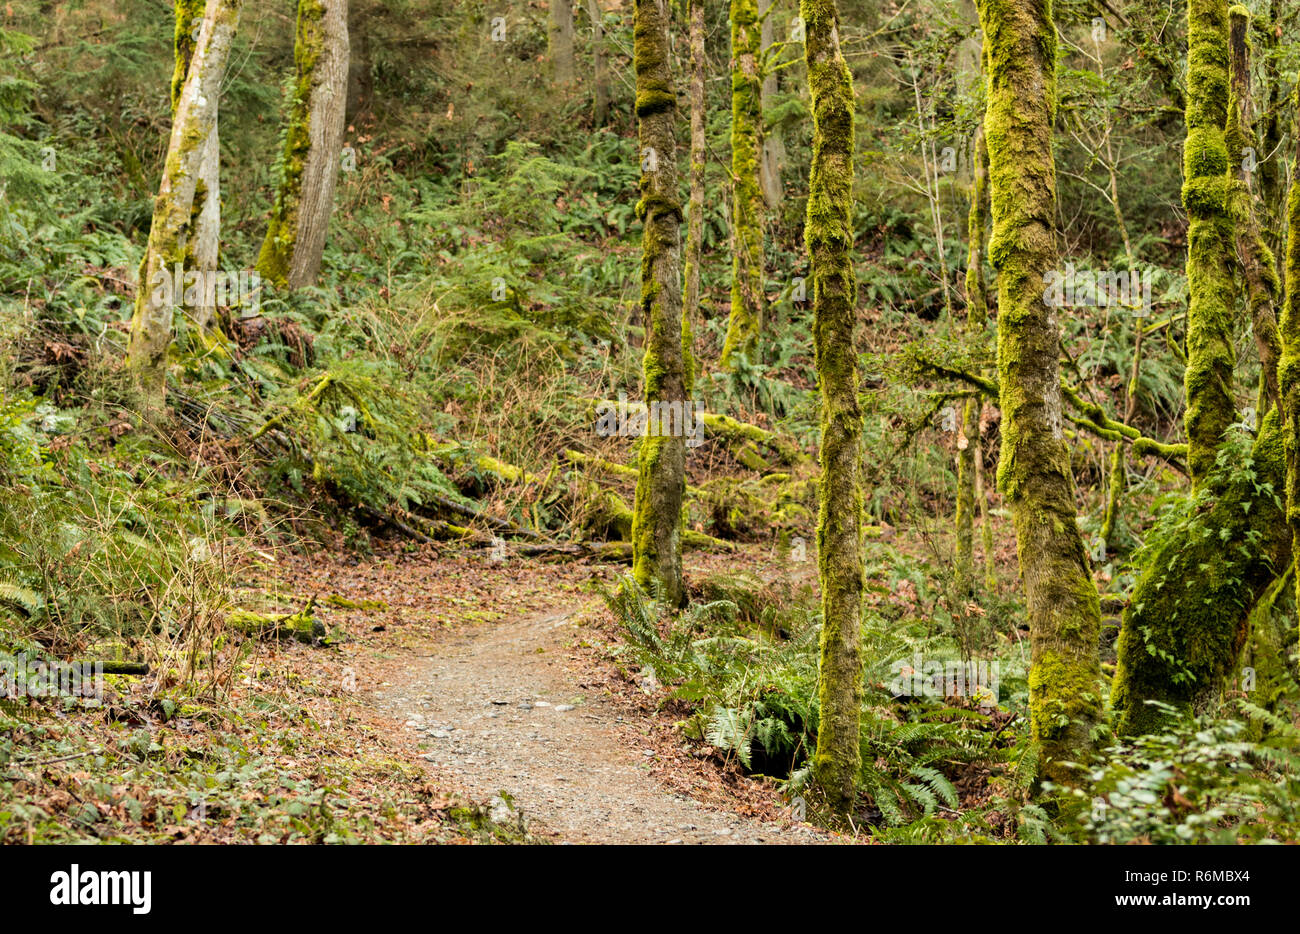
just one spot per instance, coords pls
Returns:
(657, 514)
(977, 312)
(828, 233)
(1034, 470)
(295, 237)
(205, 215)
(560, 40)
(695, 212)
(158, 294)
(600, 70)
(746, 320)
(773, 145)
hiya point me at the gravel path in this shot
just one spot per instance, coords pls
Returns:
(503, 709)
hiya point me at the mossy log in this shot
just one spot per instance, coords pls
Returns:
(302, 626)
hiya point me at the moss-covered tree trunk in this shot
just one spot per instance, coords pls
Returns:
(560, 41)
(1034, 469)
(599, 66)
(205, 215)
(746, 320)
(657, 513)
(1188, 617)
(695, 212)
(1289, 367)
(295, 236)
(169, 234)
(828, 233)
(1210, 353)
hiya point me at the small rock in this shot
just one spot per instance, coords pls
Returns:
(525, 706)
(564, 708)
(439, 734)
(500, 703)
(541, 703)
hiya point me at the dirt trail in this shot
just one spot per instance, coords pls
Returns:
(503, 708)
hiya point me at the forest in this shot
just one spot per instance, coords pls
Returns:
(649, 422)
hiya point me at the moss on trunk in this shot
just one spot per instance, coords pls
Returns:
(295, 234)
(746, 319)
(1208, 564)
(657, 512)
(1210, 353)
(829, 236)
(1034, 469)
(1289, 368)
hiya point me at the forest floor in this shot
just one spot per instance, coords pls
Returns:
(498, 678)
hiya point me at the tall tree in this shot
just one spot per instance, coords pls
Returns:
(695, 211)
(828, 233)
(1188, 618)
(746, 320)
(969, 446)
(1034, 469)
(295, 237)
(773, 144)
(661, 462)
(1289, 369)
(169, 233)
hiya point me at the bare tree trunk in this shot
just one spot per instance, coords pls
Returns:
(560, 40)
(829, 236)
(657, 513)
(295, 237)
(159, 294)
(773, 145)
(600, 69)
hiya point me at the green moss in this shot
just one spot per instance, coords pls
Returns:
(1206, 567)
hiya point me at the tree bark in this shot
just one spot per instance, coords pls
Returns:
(1034, 470)
(295, 237)
(169, 233)
(205, 215)
(657, 513)
(828, 233)
(746, 319)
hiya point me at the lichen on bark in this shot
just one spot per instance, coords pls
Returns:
(1034, 469)
(747, 208)
(828, 233)
(661, 461)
